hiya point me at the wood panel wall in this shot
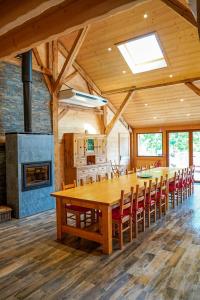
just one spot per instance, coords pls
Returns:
(142, 161)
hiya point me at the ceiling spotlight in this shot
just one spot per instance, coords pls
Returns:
(181, 100)
(145, 16)
(146, 104)
(154, 118)
(124, 72)
(109, 49)
(170, 76)
(188, 115)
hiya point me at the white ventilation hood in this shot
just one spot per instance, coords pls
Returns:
(71, 96)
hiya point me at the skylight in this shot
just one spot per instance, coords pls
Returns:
(143, 53)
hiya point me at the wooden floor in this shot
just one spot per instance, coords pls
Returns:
(163, 263)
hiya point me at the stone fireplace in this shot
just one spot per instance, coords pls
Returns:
(29, 173)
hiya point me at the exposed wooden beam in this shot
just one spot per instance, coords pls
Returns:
(15, 13)
(40, 63)
(62, 113)
(71, 57)
(182, 10)
(120, 111)
(198, 16)
(59, 20)
(79, 69)
(133, 88)
(71, 76)
(193, 87)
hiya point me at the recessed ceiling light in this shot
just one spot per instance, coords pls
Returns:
(170, 75)
(188, 115)
(146, 104)
(145, 16)
(154, 118)
(109, 49)
(124, 72)
(181, 100)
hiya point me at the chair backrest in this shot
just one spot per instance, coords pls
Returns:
(175, 181)
(102, 178)
(68, 186)
(137, 169)
(140, 195)
(153, 187)
(126, 201)
(163, 185)
(129, 172)
(114, 175)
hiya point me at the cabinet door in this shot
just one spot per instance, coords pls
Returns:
(80, 146)
(101, 146)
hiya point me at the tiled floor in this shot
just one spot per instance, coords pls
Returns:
(163, 263)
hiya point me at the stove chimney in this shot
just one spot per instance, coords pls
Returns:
(27, 89)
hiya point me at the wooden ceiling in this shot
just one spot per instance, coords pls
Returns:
(181, 46)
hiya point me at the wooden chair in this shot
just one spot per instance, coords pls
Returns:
(192, 169)
(151, 198)
(76, 213)
(137, 169)
(122, 217)
(129, 172)
(162, 196)
(174, 190)
(102, 178)
(114, 175)
(138, 209)
(85, 181)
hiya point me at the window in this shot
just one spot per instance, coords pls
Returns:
(149, 144)
(143, 53)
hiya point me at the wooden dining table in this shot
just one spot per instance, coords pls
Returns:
(101, 196)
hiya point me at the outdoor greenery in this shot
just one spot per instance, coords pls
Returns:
(150, 144)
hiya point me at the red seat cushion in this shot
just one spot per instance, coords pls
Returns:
(116, 214)
(140, 208)
(78, 208)
(152, 201)
(172, 188)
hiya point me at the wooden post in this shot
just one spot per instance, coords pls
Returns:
(55, 113)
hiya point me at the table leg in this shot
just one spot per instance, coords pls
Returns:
(59, 218)
(107, 229)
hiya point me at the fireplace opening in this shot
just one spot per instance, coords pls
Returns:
(36, 175)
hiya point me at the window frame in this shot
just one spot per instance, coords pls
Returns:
(138, 133)
(143, 36)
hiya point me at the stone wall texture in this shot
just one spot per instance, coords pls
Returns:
(11, 109)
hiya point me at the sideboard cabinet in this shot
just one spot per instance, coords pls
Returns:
(85, 157)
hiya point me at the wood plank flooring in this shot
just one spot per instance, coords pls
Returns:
(163, 263)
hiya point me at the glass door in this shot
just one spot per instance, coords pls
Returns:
(196, 154)
(178, 149)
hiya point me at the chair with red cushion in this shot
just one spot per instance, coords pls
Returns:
(76, 213)
(151, 201)
(122, 217)
(173, 190)
(192, 169)
(162, 196)
(182, 185)
(139, 208)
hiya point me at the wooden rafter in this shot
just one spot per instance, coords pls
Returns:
(182, 10)
(15, 13)
(40, 63)
(70, 76)
(79, 69)
(71, 57)
(63, 113)
(58, 20)
(120, 111)
(134, 88)
(193, 87)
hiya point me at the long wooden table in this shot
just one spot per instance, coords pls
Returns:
(100, 196)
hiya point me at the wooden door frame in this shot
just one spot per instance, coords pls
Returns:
(190, 131)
